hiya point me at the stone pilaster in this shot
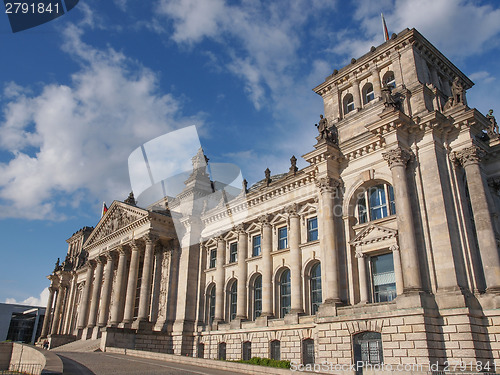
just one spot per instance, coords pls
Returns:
(470, 158)
(84, 302)
(147, 270)
(48, 312)
(117, 310)
(363, 280)
(397, 159)
(155, 296)
(133, 274)
(398, 272)
(376, 83)
(295, 260)
(219, 280)
(96, 293)
(356, 95)
(329, 248)
(241, 308)
(267, 263)
(106, 290)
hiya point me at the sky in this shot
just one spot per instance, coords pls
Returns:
(80, 93)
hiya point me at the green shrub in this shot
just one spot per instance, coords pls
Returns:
(266, 362)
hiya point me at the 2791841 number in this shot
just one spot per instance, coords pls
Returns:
(33, 8)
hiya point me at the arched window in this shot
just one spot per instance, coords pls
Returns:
(368, 94)
(211, 305)
(389, 80)
(233, 300)
(368, 348)
(285, 293)
(316, 292)
(375, 203)
(257, 297)
(308, 351)
(222, 351)
(275, 349)
(348, 103)
(247, 350)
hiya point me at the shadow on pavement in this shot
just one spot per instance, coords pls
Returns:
(71, 367)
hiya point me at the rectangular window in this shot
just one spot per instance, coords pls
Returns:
(383, 278)
(256, 246)
(213, 258)
(275, 350)
(247, 350)
(312, 229)
(282, 238)
(233, 252)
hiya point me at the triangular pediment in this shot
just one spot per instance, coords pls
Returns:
(118, 216)
(254, 227)
(373, 233)
(307, 209)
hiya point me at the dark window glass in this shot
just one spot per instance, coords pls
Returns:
(285, 293)
(233, 252)
(282, 238)
(233, 300)
(247, 350)
(316, 292)
(201, 350)
(368, 348)
(256, 245)
(211, 305)
(348, 103)
(312, 229)
(213, 258)
(368, 94)
(383, 278)
(222, 351)
(362, 215)
(257, 297)
(378, 203)
(389, 80)
(392, 204)
(308, 351)
(275, 350)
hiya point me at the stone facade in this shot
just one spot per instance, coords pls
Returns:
(384, 249)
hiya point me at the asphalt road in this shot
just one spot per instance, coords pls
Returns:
(110, 364)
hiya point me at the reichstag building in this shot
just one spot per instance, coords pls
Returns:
(383, 249)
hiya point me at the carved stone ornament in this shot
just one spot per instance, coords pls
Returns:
(267, 173)
(291, 210)
(117, 219)
(150, 238)
(240, 229)
(327, 184)
(469, 155)
(394, 248)
(359, 255)
(264, 219)
(293, 165)
(396, 157)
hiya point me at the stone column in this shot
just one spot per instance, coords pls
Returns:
(329, 248)
(147, 270)
(48, 311)
(398, 272)
(84, 302)
(267, 267)
(71, 305)
(133, 274)
(61, 293)
(219, 280)
(155, 298)
(488, 247)
(376, 83)
(295, 260)
(356, 95)
(241, 307)
(106, 290)
(363, 283)
(397, 159)
(116, 311)
(96, 293)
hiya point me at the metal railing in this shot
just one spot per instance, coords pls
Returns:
(24, 368)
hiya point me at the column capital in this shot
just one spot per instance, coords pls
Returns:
(359, 255)
(110, 256)
(150, 238)
(327, 184)
(264, 220)
(219, 239)
(91, 263)
(396, 157)
(468, 155)
(121, 250)
(240, 229)
(292, 209)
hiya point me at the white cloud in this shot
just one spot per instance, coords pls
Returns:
(32, 301)
(482, 76)
(69, 138)
(459, 28)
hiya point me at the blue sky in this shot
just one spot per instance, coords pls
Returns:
(80, 93)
